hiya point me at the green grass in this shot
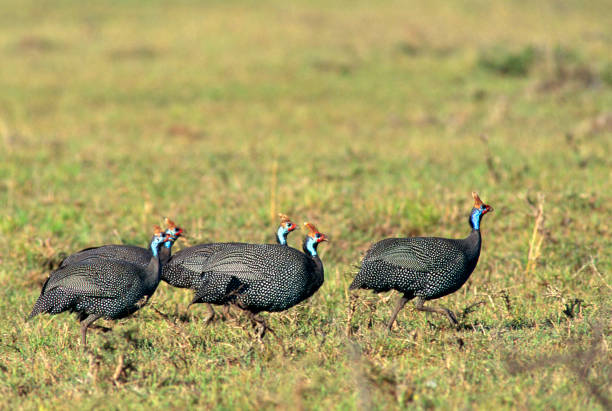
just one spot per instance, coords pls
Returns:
(113, 115)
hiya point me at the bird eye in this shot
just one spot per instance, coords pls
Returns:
(318, 235)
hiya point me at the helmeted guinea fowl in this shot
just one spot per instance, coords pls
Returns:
(99, 287)
(424, 268)
(261, 277)
(184, 268)
(130, 253)
(286, 226)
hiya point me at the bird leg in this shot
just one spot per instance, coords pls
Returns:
(440, 310)
(100, 328)
(85, 323)
(227, 312)
(400, 304)
(211, 314)
(259, 324)
(261, 327)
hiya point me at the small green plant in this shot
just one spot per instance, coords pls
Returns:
(506, 62)
(606, 74)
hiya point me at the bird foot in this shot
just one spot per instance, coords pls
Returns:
(260, 330)
(142, 302)
(451, 317)
(211, 314)
(100, 328)
(226, 313)
(209, 319)
(261, 327)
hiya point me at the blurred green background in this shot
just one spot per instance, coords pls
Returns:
(370, 120)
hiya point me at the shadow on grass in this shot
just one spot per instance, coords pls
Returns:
(582, 362)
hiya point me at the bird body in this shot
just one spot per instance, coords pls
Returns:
(258, 277)
(429, 267)
(184, 268)
(253, 277)
(99, 287)
(110, 288)
(423, 267)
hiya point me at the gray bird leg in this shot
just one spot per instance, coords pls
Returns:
(261, 327)
(211, 314)
(85, 323)
(100, 328)
(227, 313)
(259, 324)
(440, 310)
(400, 304)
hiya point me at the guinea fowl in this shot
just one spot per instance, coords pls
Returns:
(424, 268)
(184, 268)
(261, 277)
(286, 226)
(130, 253)
(99, 287)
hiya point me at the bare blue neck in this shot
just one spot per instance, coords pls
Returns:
(281, 235)
(310, 246)
(475, 218)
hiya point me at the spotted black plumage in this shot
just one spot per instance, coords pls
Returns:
(423, 267)
(259, 277)
(131, 253)
(99, 287)
(184, 269)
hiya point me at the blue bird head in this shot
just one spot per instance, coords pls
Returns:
(478, 211)
(286, 226)
(313, 239)
(159, 238)
(173, 232)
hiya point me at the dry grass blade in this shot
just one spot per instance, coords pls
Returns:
(118, 370)
(596, 271)
(535, 244)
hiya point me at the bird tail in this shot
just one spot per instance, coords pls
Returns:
(38, 308)
(52, 302)
(195, 300)
(39, 305)
(357, 281)
(356, 284)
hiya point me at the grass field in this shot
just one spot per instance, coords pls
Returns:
(369, 121)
